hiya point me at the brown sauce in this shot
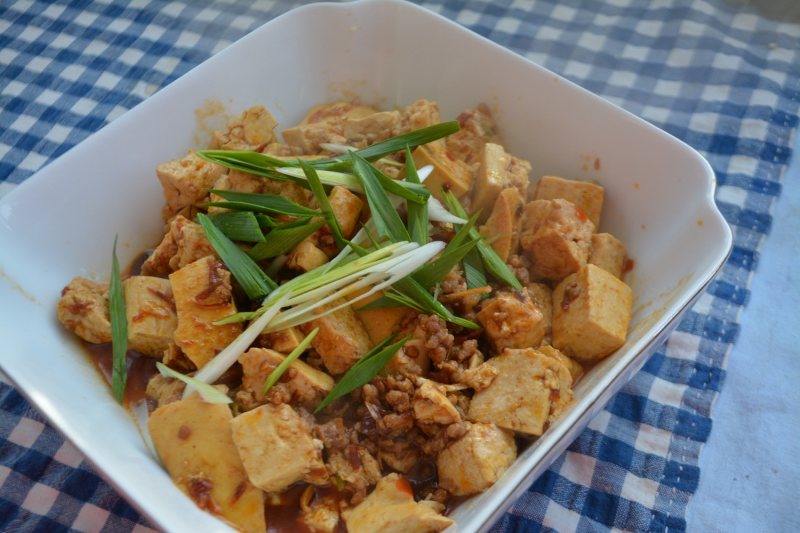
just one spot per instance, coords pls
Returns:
(140, 369)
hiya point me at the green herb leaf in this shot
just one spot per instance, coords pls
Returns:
(324, 203)
(284, 365)
(246, 161)
(281, 240)
(474, 274)
(208, 392)
(363, 371)
(417, 214)
(378, 150)
(387, 221)
(496, 267)
(254, 281)
(239, 226)
(119, 329)
(425, 302)
(435, 271)
(261, 203)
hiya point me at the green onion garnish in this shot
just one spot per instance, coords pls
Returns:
(254, 281)
(239, 226)
(387, 221)
(324, 203)
(278, 371)
(456, 250)
(364, 370)
(496, 267)
(208, 392)
(119, 329)
(260, 203)
(417, 214)
(281, 240)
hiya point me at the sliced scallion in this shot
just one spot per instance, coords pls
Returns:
(284, 365)
(281, 240)
(324, 203)
(261, 203)
(119, 329)
(208, 392)
(239, 226)
(417, 214)
(387, 221)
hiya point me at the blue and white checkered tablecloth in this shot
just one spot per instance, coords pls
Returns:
(724, 79)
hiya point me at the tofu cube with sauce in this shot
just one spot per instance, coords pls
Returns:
(448, 173)
(184, 242)
(194, 441)
(476, 461)
(203, 296)
(150, 311)
(372, 128)
(502, 227)
(497, 170)
(512, 320)
(83, 309)
(307, 385)
(591, 313)
(586, 195)
(185, 181)
(556, 236)
(341, 341)
(391, 508)
(529, 390)
(608, 253)
(306, 256)
(277, 449)
(346, 208)
(252, 130)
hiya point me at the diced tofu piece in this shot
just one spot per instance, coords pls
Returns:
(448, 173)
(277, 448)
(185, 242)
(346, 208)
(203, 296)
(503, 226)
(591, 313)
(164, 390)
(542, 298)
(585, 195)
(528, 390)
(83, 309)
(252, 130)
(608, 253)
(511, 320)
(477, 128)
(382, 321)
(324, 124)
(497, 170)
(237, 181)
(372, 128)
(354, 466)
(283, 341)
(306, 256)
(391, 508)
(322, 513)
(556, 236)
(307, 385)
(575, 368)
(341, 341)
(150, 311)
(420, 114)
(432, 406)
(193, 439)
(185, 181)
(476, 461)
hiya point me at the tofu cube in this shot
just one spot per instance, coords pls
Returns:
(194, 441)
(586, 195)
(542, 297)
(252, 131)
(185, 181)
(307, 385)
(391, 508)
(608, 253)
(574, 367)
(477, 128)
(529, 388)
(83, 309)
(504, 223)
(323, 124)
(150, 311)
(184, 242)
(511, 320)
(476, 461)
(283, 341)
(346, 208)
(277, 449)
(449, 174)
(420, 114)
(341, 341)
(591, 313)
(373, 128)
(556, 236)
(306, 256)
(202, 292)
(497, 170)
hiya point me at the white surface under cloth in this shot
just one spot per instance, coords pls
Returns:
(751, 462)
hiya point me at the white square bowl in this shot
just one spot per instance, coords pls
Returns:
(62, 221)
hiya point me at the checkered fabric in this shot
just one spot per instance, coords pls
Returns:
(724, 79)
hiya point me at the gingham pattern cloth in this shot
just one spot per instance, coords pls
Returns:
(721, 78)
